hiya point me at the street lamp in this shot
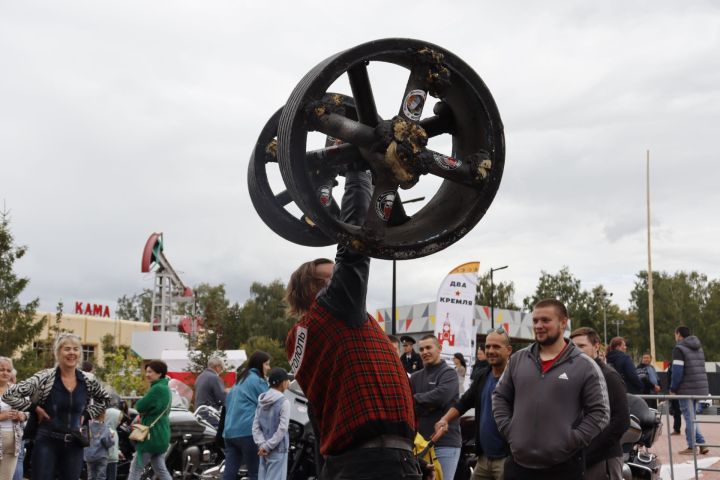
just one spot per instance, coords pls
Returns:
(492, 295)
(606, 295)
(617, 326)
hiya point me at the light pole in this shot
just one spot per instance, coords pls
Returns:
(393, 329)
(617, 326)
(605, 296)
(492, 295)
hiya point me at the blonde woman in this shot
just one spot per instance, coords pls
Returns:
(58, 398)
(10, 425)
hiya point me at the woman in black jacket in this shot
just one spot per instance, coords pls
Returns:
(620, 361)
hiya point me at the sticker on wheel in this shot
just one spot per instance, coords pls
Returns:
(413, 104)
(325, 195)
(446, 163)
(384, 204)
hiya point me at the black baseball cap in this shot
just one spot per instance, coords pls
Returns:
(407, 339)
(277, 376)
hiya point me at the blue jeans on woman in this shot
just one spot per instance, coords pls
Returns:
(51, 457)
(448, 458)
(241, 450)
(156, 460)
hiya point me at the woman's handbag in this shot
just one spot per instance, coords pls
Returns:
(141, 432)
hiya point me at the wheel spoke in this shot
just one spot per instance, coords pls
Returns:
(470, 171)
(442, 122)
(381, 207)
(334, 157)
(345, 129)
(415, 94)
(363, 94)
(283, 198)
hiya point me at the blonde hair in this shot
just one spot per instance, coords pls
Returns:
(303, 286)
(9, 361)
(64, 338)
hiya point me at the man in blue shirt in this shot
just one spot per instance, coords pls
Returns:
(490, 446)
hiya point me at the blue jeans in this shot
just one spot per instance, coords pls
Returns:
(111, 473)
(448, 458)
(19, 469)
(51, 457)
(239, 451)
(156, 460)
(687, 407)
(97, 470)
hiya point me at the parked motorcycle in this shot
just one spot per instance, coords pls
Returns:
(645, 428)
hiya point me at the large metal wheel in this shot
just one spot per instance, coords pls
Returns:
(395, 149)
(272, 206)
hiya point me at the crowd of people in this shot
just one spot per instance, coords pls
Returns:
(553, 410)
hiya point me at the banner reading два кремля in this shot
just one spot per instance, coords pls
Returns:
(455, 309)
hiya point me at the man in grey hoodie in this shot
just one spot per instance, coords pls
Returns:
(550, 402)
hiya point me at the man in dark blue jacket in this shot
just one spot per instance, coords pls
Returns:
(490, 446)
(689, 378)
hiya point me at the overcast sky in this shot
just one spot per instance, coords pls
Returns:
(119, 119)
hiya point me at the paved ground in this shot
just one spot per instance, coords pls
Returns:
(683, 466)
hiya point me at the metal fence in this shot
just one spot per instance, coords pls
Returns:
(667, 398)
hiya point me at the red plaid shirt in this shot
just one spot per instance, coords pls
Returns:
(353, 378)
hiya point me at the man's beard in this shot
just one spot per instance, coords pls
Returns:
(549, 340)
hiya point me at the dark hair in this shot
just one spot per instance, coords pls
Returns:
(256, 361)
(87, 366)
(393, 339)
(615, 343)
(158, 366)
(430, 336)
(590, 333)
(551, 302)
(460, 357)
(683, 331)
(481, 347)
(303, 286)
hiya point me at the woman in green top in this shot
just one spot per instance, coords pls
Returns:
(155, 403)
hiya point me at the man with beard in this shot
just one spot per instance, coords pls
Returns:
(603, 458)
(490, 447)
(556, 398)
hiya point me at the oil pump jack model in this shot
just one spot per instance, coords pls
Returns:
(169, 291)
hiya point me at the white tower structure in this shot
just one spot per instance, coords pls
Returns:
(169, 291)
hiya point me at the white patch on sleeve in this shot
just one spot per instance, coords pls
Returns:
(299, 350)
(679, 362)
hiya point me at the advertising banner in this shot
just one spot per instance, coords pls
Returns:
(455, 308)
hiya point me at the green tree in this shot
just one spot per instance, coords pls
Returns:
(681, 298)
(271, 346)
(504, 293)
(136, 307)
(18, 325)
(121, 368)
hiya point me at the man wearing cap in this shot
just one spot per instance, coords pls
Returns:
(362, 406)
(410, 358)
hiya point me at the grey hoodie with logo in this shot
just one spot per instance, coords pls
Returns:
(545, 418)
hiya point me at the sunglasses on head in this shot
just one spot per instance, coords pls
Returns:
(499, 330)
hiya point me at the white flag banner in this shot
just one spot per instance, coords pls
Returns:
(454, 312)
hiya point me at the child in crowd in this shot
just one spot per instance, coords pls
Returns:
(270, 427)
(96, 454)
(112, 420)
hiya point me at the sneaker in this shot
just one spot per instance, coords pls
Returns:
(687, 451)
(704, 450)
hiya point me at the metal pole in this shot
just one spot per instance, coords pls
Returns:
(492, 295)
(394, 281)
(492, 301)
(605, 296)
(651, 316)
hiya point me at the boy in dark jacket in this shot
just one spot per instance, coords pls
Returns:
(96, 454)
